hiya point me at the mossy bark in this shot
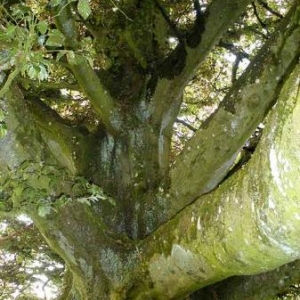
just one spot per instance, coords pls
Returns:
(249, 225)
(146, 234)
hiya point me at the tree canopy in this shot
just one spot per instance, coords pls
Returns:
(153, 146)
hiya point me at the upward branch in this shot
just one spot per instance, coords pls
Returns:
(67, 144)
(184, 61)
(100, 98)
(210, 153)
(247, 226)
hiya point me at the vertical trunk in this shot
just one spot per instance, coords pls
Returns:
(99, 262)
(131, 168)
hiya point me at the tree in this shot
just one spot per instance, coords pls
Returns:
(90, 94)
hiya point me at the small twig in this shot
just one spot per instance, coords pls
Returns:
(189, 126)
(50, 85)
(234, 49)
(9, 81)
(259, 33)
(197, 8)
(270, 9)
(120, 10)
(264, 25)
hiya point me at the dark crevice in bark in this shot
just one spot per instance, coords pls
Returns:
(151, 86)
(257, 287)
(246, 153)
(174, 64)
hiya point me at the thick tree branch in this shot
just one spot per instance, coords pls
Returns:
(249, 225)
(260, 21)
(213, 149)
(65, 23)
(171, 24)
(17, 146)
(181, 66)
(63, 236)
(100, 99)
(87, 78)
(189, 126)
(240, 55)
(234, 49)
(193, 57)
(68, 144)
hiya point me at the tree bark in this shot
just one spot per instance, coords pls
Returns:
(248, 225)
(222, 136)
(208, 241)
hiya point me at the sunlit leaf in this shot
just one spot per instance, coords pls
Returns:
(10, 31)
(20, 11)
(32, 71)
(55, 38)
(42, 27)
(84, 8)
(44, 210)
(43, 73)
(3, 130)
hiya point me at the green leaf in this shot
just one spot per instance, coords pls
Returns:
(84, 8)
(10, 31)
(42, 27)
(54, 2)
(71, 57)
(91, 61)
(42, 40)
(43, 74)
(3, 130)
(44, 210)
(32, 71)
(55, 38)
(20, 11)
(18, 191)
(2, 115)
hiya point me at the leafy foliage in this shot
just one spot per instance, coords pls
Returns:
(28, 266)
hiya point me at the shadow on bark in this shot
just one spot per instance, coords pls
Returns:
(257, 287)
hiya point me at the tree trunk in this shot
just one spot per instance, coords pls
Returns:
(126, 225)
(207, 242)
(249, 225)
